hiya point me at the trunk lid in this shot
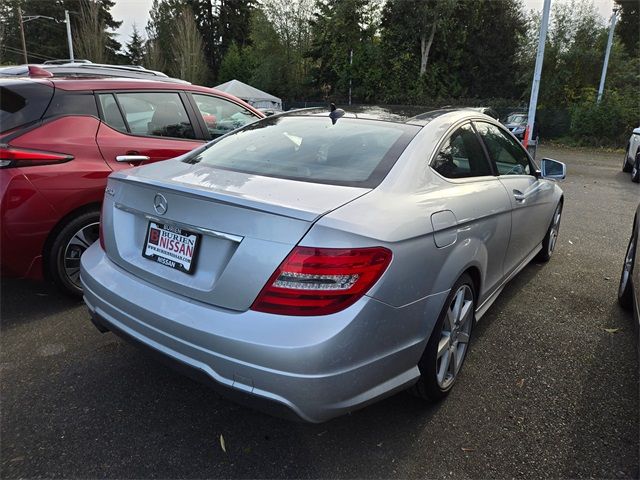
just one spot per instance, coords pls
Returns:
(246, 224)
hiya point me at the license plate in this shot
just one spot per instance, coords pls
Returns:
(171, 246)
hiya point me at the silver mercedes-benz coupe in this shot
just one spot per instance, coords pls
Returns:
(313, 263)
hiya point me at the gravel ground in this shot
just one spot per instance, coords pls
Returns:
(546, 391)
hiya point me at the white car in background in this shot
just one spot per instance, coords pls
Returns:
(631, 162)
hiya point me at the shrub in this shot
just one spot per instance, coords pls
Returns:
(608, 123)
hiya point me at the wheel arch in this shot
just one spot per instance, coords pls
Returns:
(467, 256)
(476, 277)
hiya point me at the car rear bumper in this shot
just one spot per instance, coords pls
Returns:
(313, 367)
(26, 218)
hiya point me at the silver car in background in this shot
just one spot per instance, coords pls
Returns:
(631, 162)
(317, 264)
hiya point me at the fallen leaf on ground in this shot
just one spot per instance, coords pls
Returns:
(224, 448)
(520, 383)
(612, 330)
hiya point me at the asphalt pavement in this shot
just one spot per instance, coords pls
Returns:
(549, 389)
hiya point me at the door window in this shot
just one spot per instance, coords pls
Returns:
(509, 156)
(111, 113)
(222, 116)
(461, 156)
(158, 114)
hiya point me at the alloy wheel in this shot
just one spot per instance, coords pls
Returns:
(555, 229)
(454, 338)
(76, 246)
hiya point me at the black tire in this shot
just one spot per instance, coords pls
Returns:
(549, 242)
(428, 387)
(626, 166)
(63, 257)
(625, 291)
(635, 172)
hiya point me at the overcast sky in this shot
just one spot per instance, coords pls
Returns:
(130, 11)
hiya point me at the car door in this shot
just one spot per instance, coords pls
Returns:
(530, 195)
(476, 202)
(219, 115)
(145, 126)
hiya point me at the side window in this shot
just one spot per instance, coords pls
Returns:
(156, 114)
(508, 155)
(111, 112)
(461, 156)
(72, 103)
(221, 116)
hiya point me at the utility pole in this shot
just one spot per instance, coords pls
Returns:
(24, 43)
(614, 17)
(69, 40)
(350, 73)
(537, 73)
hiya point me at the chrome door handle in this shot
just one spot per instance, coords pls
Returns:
(132, 158)
(519, 196)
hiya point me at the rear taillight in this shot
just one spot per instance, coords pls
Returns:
(320, 281)
(23, 157)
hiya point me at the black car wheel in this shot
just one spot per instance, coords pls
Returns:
(70, 242)
(625, 291)
(626, 165)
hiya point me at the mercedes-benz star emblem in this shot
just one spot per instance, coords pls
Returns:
(160, 204)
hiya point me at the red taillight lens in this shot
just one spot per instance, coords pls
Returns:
(23, 157)
(320, 281)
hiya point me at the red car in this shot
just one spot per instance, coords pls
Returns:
(59, 140)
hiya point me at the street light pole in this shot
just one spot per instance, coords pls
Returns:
(350, 73)
(24, 43)
(69, 40)
(614, 17)
(537, 73)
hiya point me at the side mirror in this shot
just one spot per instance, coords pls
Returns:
(553, 169)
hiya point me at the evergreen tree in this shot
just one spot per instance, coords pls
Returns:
(628, 28)
(235, 65)
(343, 33)
(222, 23)
(47, 39)
(135, 48)
(489, 36)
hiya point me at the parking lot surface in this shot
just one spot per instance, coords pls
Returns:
(549, 389)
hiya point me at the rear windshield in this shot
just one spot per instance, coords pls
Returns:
(351, 152)
(22, 103)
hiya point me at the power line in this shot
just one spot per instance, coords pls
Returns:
(37, 55)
